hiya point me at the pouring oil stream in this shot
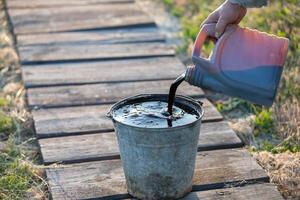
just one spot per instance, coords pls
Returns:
(172, 92)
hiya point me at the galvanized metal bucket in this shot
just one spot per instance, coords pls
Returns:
(158, 162)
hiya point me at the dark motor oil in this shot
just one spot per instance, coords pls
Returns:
(153, 114)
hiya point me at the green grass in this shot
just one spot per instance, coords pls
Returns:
(3, 102)
(234, 104)
(16, 174)
(285, 146)
(263, 122)
(6, 123)
(16, 177)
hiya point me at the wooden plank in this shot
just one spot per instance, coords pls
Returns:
(103, 146)
(62, 53)
(261, 191)
(264, 191)
(122, 35)
(58, 3)
(81, 148)
(72, 18)
(102, 71)
(106, 178)
(104, 93)
(55, 122)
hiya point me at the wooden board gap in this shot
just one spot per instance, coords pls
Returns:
(230, 184)
(96, 82)
(74, 60)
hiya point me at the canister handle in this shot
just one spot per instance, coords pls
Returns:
(203, 35)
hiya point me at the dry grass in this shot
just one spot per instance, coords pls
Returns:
(284, 171)
(21, 176)
(287, 119)
(287, 114)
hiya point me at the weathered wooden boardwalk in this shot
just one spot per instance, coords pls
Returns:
(80, 56)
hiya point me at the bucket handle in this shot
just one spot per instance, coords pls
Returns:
(109, 114)
(200, 102)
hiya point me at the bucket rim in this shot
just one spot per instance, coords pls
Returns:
(186, 98)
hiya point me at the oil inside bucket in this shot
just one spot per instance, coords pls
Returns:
(153, 114)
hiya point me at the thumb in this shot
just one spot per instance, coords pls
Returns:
(220, 27)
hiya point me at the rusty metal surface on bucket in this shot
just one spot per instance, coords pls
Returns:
(158, 162)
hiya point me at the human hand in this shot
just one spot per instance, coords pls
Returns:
(227, 13)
